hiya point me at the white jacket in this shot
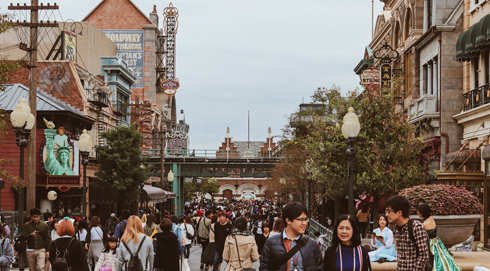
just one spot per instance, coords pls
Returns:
(108, 259)
(190, 229)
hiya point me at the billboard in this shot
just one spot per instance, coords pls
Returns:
(129, 45)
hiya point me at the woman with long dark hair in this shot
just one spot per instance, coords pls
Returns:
(346, 252)
(95, 241)
(442, 259)
(81, 233)
(382, 240)
(187, 229)
(150, 225)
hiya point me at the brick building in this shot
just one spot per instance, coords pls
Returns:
(236, 187)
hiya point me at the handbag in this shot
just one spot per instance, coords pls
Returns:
(240, 261)
(104, 268)
(207, 257)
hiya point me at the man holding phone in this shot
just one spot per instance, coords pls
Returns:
(36, 233)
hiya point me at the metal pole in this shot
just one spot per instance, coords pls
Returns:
(485, 208)
(351, 152)
(21, 144)
(84, 190)
(31, 149)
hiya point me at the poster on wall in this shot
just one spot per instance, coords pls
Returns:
(129, 45)
(58, 154)
(69, 46)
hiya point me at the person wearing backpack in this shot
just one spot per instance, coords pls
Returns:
(292, 249)
(121, 227)
(188, 230)
(135, 252)
(7, 252)
(412, 247)
(66, 253)
(167, 248)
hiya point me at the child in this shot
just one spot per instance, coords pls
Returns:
(108, 258)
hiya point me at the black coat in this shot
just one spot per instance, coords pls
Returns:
(330, 260)
(76, 256)
(261, 242)
(167, 251)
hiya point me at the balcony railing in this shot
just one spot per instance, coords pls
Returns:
(477, 97)
(98, 98)
(325, 234)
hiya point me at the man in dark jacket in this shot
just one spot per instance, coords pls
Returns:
(121, 227)
(36, 233)
(308, 258)
(221, 231)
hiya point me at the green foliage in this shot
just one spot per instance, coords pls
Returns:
(6, 66)
(189, 190)
(121, 165)
(443, 200)
(209, 185)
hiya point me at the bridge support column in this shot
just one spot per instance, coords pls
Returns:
(178, 189)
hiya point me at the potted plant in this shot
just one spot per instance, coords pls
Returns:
(455, 210)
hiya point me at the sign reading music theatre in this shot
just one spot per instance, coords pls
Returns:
(129, 44)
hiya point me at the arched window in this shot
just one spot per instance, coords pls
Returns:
(396, 35)
(408, 24)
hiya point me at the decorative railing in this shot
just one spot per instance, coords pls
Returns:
(325, 234)
(477, 97)
(98, 98)
(213, 154)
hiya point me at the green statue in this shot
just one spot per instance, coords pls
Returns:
(58, 164)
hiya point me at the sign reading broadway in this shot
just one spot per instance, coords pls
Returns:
(129, 44)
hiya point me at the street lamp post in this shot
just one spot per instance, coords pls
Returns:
(350, 131)
(84, 145)
(22, 121)
(2, 185)
(170, 179)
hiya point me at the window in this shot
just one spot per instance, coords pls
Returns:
(408, 73)
(397, 82)
(396, 35)
(476, 68)
(408, 24)
(425, 80)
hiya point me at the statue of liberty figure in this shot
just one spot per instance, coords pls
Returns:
(58, 164)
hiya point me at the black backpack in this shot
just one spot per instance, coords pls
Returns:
(60, 263)
(134, 263)
(20, 244)
(430, 262)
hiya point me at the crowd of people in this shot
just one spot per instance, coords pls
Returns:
(233, 234)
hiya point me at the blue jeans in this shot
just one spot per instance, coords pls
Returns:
(218, 258)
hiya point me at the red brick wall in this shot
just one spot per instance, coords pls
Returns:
(117, 14)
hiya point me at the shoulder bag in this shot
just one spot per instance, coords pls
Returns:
(239, 260)
(303, 241)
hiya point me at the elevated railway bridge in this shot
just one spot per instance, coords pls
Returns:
(209, 163)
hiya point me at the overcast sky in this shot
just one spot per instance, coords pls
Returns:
(257, 55)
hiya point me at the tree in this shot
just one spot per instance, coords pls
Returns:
(189, 190)
(6, 68)
(388, 156)
(209, 186)
(121, 165)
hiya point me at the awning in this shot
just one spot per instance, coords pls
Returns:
(471, 156)
(483, 38)
(470, 42)
(460, 47)
(366, 62)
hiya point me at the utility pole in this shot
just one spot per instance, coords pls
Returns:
(137, 113)
(32, 49)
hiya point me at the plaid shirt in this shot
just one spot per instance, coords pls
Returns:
(406, 250)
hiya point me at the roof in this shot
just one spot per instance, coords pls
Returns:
(100, 3)
(45, 102)
(155, 194)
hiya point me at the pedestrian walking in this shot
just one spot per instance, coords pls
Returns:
(292, 250)
(121, 227)
(54, 228)
(346, 252)
(221, 230)
(110, 224)
(81, 233)
(94, 241)
(363, 217)
(411, 256)
(108, 257)
(177, 230)
(36, 233)
(188, 230)
(20, 246)
(278, 227)
(203, 231)
(150, 225)
(263, 238)
(167, 248)
(240, 251)
(68, 248)
(7, 255)
(134, 241)
(442, 258)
